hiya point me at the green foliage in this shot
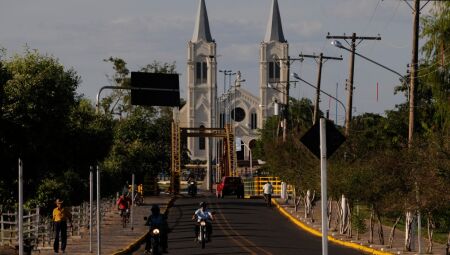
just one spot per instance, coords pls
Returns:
(434, 89)
(141, 140)
(38, 96)
(359, 221)
(290, 160)
(47, 193)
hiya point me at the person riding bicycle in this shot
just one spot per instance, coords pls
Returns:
(159, 221)
(123, 204)
(203, 213)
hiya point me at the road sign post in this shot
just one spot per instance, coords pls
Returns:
(323, 139)
(323, 184)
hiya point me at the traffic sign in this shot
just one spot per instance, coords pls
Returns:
(311, 139)
(155, 89)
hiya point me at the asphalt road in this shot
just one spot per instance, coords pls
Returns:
(242, 227)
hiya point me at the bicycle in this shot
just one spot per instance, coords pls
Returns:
(125, 213)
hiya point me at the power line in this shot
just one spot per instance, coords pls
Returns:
(353, 45)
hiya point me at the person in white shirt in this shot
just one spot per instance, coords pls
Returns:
(268, 190)
(203, 213)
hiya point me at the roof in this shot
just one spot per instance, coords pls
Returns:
(274, 31)
(201, 30)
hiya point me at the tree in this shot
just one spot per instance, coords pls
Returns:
(141, 143)
(37, 99)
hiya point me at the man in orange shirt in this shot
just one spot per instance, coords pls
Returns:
(60, 218)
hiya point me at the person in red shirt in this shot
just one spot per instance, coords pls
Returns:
(123, 204)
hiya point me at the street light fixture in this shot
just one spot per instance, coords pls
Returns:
(339, 45)
(285, 105)
(296, 76)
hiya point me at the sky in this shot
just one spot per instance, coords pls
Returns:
(82, 33)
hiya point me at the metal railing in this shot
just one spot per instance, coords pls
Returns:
(253, 187)
(38, 229)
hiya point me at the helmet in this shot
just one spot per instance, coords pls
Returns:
(203, 204)
(155, 209)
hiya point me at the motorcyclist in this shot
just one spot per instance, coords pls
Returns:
(192, 188)
(159, 221)
(203, 213)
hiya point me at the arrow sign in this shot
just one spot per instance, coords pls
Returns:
(311, 139)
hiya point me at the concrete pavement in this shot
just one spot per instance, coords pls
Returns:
(114, 238)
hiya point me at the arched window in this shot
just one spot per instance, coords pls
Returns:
(253, 121)
(201, 70)
(274, 71)
(201, 140)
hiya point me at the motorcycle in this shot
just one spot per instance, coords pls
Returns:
(192, 188)
(155, 241)
(203, 234)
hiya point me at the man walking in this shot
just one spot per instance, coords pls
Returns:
(60, 218)
(268, 190)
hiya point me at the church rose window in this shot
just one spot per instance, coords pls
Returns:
(238, 114)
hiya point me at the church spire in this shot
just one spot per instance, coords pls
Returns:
(274, 30)
(201, 30)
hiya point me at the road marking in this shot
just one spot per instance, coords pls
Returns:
(332, 239)
(240, 244)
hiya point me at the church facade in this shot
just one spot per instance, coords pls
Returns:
(244, 111)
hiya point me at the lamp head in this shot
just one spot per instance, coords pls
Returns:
(337, 43)
(295, 75)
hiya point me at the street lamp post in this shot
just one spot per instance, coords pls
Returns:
(225, 73)
(296, 76)
(285, 93)
(338, 44)
(250, 157)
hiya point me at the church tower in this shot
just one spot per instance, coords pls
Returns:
(273, 66)
(201, 84)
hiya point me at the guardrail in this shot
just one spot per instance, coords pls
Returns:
(38, 229)
(253, 186)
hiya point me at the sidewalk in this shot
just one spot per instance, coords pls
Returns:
(362, 243)
(114, 238)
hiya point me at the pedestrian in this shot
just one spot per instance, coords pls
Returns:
(268, 190)
(60, 217)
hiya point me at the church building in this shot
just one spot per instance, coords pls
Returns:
(206, 108)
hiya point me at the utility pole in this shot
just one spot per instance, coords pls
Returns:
(320, 62)
(349, 84)
(287, 62)
(412, 93)
(414, 70)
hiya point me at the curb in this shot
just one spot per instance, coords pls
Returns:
(131, 247)
(330, 238)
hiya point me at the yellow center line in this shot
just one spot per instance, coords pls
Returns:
(250, 243)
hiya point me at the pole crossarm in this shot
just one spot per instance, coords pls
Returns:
(320, 60)
(352, 45)
(353, 38)
(318, 56)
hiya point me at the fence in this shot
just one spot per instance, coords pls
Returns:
(38, 229)
(253, 187)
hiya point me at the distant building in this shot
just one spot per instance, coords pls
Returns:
(205, 107)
